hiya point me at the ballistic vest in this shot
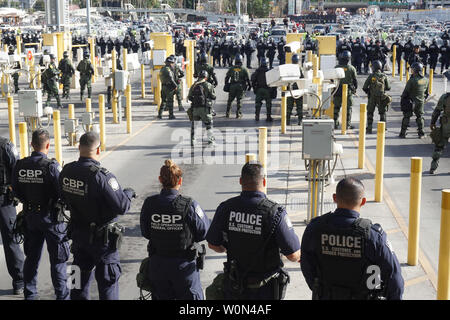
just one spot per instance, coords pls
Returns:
(340, 253)
(170, 235)
(4, 176)
(247, 230)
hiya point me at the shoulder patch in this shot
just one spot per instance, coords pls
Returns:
(288, 221)
(377, 228)
(199, 212)
(14, 150)
(113, 184)
(389, 245)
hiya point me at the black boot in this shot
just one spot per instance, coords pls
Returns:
(402, 134)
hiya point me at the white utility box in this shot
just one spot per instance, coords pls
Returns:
(317, 141)
(159, 57)
(30, 103)
(121, 80)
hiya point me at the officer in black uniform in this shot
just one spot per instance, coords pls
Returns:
(433, 51)
(95, 199)
(281, 51)
(408, 48)
(248, 50)
(271, 48)
(35, 184)
(252, 230)
(344, 257)
(13, 253)
(261, 49)
(358, 50)
(174, 225)
(398, 52)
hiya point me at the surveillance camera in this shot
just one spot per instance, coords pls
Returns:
(333, 74)
(293, 47)
(48, 111)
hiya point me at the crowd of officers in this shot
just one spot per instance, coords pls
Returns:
(252, 230)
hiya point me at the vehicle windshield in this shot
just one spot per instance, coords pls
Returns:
(278, 32)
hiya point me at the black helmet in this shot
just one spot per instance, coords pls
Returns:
(345, 57)
(447, 74)
(417, 67)
(203, 74)
(295, 59)
(86, 54)
(52, 56)
(170, 59)
(423, 42)
(263, 62)
(203, 57)
(376, 65)
(238, 59)
(11, 49)
(65, 54)
(46, 52)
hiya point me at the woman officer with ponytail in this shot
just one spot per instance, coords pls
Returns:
(173, 224)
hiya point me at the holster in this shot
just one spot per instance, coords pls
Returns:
(201, 254)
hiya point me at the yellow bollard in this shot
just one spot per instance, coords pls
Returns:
(125, 60)
(262, 151)
(101, 115)
(71, 111)
(57, 134)
(19, 45)
(394, 57)
(401, 69)
(39, 85)
(250, 157)
(2, 84)
(283, 110)
(128, 110)
(443, 286)
(344, 108)
(414, 210)
(362, 135)
(407, 72)
(379, 171)
(88, 105)
(430, 86)
(11, 120)
(309, 56)
(143, 81)
(114, 106)
(23, 136)
(315, 62)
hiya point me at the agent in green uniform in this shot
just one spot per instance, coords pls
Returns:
(262, 90)
(238, 80)
(201, 95)
(67, 70)
(86, 72)
(350, 80)
(178, 74)
(168, 87)
(440, 135)
(203, 65)
(416, 89)
(375, 87)
(51, 76)
(16, 66)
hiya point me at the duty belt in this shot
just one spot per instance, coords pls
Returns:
(256, 283)
(36, 208)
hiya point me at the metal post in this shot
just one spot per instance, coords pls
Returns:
(143, 81)
(401, 69)
(414, 210)
(344, 108)
(430, 87)
(57, 135)
(262, 151)
(394, 57)
(362, 135)
(443, 286)
(101, 114)
(250, 157)
(11, 120)
(88, 16)
(23, 136)
(128, 108)
(283, 110)
(380, 162)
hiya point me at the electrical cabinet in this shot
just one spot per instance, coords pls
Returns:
(30, 103)
(317, 142)
(121, 80)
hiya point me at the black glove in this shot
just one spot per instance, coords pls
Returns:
(130, 192)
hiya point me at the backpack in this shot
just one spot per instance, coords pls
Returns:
(198, 96)
(377, 86)
(236, 75)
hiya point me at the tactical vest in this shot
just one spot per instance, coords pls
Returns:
(247, 231)
(34, 182)
(76, 184)
(5, 178)
(170, 235)
(376, 85)
(447, 105)
(236, 74)
(341, 262)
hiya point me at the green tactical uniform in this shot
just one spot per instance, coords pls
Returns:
(202, 112)
(440, 135)
(416, 89)
(67, 70)
(208, 68)
(262, 91)
(15, 75)
(350, 80)
(290, 102)
(375, 86)
(239, 80)
(51, 76)
(86, 72)
(178, 74)
(168, 88)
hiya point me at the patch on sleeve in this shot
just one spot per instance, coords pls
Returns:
(14, 150)
(389, 245)
(199, 211)
(288, 221)
(58, 167)
(114, 184)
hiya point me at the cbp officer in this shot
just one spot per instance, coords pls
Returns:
(262, 90)
(252, 230)
(174, 224)
(13, 253)
(345, 257)
(95, 199)
(35, 184)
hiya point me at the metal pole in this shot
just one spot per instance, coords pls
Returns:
(88, 16)
(414, 210)
(58, 18)
(443, 287)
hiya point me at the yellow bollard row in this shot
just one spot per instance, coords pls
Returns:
(443, 286)
(362, 135)
(344, 108)
(414, 210)
(262, 151)
(379, 171)
(88, 105)
(23, 136)
(11, 120)
(101, 115)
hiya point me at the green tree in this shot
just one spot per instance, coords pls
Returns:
(259, 8)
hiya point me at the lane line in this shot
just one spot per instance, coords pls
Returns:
(414, 281)
(423, 260)
(392, 231)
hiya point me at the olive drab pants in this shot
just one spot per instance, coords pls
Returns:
(263, 94)
(440, 145)
(179, 97)
(167, 96)
(372, 104)
(418, 111)
(337, 101)
(65, 80)
(236, 92)
(53, 92)
(202, 114)
(16, 82)
(290, 106)
(85, 82)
